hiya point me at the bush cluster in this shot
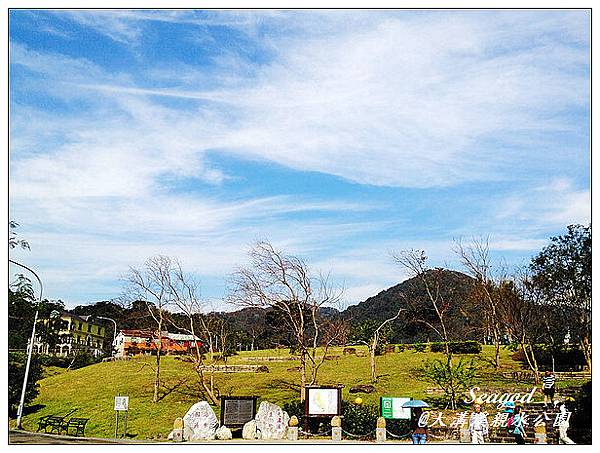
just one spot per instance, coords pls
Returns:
(360, 420)
(566, 357)
(457, 347)
(420, 347)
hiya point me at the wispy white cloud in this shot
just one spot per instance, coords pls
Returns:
(557, 203)
(395, 103)
(396, 100)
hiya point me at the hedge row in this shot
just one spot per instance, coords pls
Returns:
(456, 347)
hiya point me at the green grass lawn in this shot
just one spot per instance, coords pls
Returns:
(91, 390)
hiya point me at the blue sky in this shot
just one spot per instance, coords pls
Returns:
(339, 136)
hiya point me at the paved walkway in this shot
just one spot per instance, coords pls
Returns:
(16, 437)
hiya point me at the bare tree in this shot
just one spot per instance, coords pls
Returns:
(284, 283)
(415, 262)
(520, 314)
(371, 336)
(185, 294)
(475, 258)
(151, 284)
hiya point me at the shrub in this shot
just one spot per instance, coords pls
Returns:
(401, 347)
(16, 374)
(399, 428)
(359, 420)
(296, 408)
(457, 347)
(453, 379)
(420, 347)
(566, 357)
(52, 360)
(83, 359)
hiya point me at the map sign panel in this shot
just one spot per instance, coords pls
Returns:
(392, 408)
(323, 401)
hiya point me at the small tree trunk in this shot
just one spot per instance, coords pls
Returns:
(497, 348)
(586, 348)
(497, 355)
(302, 376)
(531, 361)
(157, 372)
(372, 357)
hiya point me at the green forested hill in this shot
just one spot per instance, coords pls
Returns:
(455, 288)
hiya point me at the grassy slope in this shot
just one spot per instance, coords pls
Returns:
(92, 389)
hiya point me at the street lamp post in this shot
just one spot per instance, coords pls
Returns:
(30, 348)
(112, 350)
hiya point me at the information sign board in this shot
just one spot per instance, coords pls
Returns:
(391, 407)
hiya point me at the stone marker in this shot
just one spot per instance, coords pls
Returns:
(177, 434)
(336, 433)
(465, 436)
(178, 423)
(200, 422)
(540, 434)
(224, 433)
(271, 421)
(336, 428)
(380, 433)
(292, 433)
(249, 430)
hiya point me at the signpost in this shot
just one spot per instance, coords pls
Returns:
(236, 411)
(391, 408)
(121, 405)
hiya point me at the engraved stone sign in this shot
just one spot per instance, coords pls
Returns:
(200, 422)
(272, 421)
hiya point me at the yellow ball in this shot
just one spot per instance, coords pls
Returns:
(358, 401)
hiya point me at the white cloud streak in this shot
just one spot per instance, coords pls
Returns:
(387, 100)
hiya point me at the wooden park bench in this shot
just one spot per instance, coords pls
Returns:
(75, 426)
